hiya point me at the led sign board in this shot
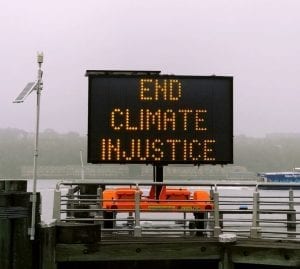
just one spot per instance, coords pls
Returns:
(138, 117)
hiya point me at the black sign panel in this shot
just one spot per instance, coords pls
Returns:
(160, 119)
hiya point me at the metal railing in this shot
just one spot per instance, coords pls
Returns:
(246, 209)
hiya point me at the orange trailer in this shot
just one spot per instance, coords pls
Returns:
(169, 199)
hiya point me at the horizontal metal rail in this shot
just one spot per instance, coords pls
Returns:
(250, 213)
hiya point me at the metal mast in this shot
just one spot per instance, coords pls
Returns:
(39, 87)
(30, 87)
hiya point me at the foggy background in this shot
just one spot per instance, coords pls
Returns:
(257, 42)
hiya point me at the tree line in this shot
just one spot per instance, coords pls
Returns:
(275, 152)
(17, 148)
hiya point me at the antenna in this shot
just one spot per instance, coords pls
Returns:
(29, 88)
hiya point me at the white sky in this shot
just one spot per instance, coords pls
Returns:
(256, 41)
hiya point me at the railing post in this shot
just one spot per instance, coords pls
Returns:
(217, 227)
(291, 199)
(130, 222)
(291, 215)
(255, 229)
(137, 227)
(56, 204)
(184, 223)
(99, 214)
(70, 204)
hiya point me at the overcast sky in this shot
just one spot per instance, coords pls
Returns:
(257, 42)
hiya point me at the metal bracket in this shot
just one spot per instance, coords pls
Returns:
(32, 198)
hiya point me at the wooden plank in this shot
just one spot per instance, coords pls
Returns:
(138, 251)
(267, 243)
(279, 256)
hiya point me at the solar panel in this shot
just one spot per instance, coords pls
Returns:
(27, 90)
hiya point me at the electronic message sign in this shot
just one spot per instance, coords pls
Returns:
(140, 117)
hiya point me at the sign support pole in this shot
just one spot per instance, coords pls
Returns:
(158, 176)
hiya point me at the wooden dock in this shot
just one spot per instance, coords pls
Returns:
(145, 252)
(86, 244)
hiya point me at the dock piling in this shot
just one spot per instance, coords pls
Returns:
(17, 250)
